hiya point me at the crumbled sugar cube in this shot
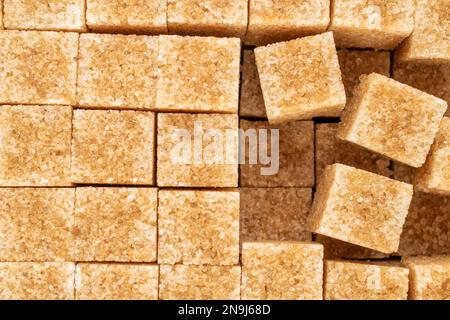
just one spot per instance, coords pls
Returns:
(251, 100)
(336, 249)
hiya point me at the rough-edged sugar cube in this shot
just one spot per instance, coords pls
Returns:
(282, 271)
(430, 41)
(392, 119)
(336, 249)
(378, 24)
(99, 281)
(198, 227)
(351, 280)
(280, 20)
(301, 79)
(127, 16)
(113, 147)
(275, 214)
(251, 100)
(37, 281)
(208, 17)
(38, 67)
(58, 15)
(194, 151)
(430, 277)
(35, 145)
(115, 224)
(198, 74)
(360, 207)
(294, 160)
(36, 224)
(181, 282)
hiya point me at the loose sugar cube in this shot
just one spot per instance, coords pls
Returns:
(35, 145)
(36, 224)
(198, 227)
(38, 67)
(251, 100)
(198, 74)
(346, 280)
(290, 151)
(116, 281)
(279, 20)
(115, 224)
(430, 277)
(58, 15)
(113, 147)
(37, 281)
(378, 24)
(392, 119)
(204, 157)
(208, 17)
(275, 214)
(360, 207)
(336, 249)
(282, 271)
(301, 79)
(129, 16)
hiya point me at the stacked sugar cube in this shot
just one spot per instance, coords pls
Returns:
(93, 205)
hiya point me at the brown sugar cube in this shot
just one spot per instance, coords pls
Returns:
(301, 79)
(291, 161)
(351, 280)
(251, 99)
(38, 67)
(58, 15)
(282, 271)
(95, 281)
(429, 277)
(336, 249)
(279, 20)
(430, 41)
(113, 147)
(35, 145)
(180, 282)
(37, 281)
(360, 207)
(127, 16)
(205, 157)
(208, 17)
(111, 77)
(275, 214)
(36, 224)
(116, 224)
(392, 119)
(198, 74)
(378, 24)
(198, 227)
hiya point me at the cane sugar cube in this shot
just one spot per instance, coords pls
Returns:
(194, 151)
(35, 145)
(336, 249)
(198, 74)
(37, 281)
(301, 79)
(430, 277)
(430, 42)
(113, 147)
(279, 20)
(36, 224)
(348, 280)
(198, 227)
(282, 271)
(208, 17)
(38, 67)
(392, 119)
(251, 100)
(290, 153)
(275, 214)
(378, 24)
(116, 224)
(58, 15)
(127, 16)
(360, 207)
(95, 281)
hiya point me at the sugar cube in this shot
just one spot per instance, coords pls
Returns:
(251, 101)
